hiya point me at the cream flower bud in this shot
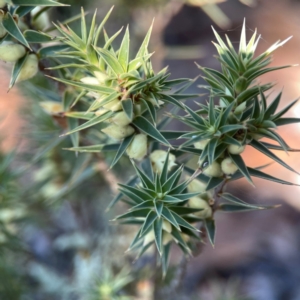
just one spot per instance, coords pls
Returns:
(197, 202)
(2, 3)
(234, 149)
(228, 166)
(100, 76)
(185, 237)
(240, 108)
(90, 80)
(158, 158)
(11, 52)
(42, 21)
(29, 69)
(114, 105)
(52, 107)
(212, 170)
(138, 147)
(201, 145)
(167, 226)
(166, 238)
(121, 119)
(118, 132)
(196, 186)
(150, 237)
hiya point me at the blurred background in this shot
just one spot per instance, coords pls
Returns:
(55, 238)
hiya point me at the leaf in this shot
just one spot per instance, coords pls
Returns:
(237, 201)
(211, 230)
(183, 222)
(132, 181)
(73, 123)
(151, 217)
(144, 178)
(128, 108)
(51, 50)
(33, 36)
(37, 3)
(144, 125)
(151, 109)
(158, 207)
(89, 87)
(123, 56)
(167, 214)
(214, 182)
(95, 148)
(286, 121)
(111, 61)
(144, 47)
(92, 122)
(16, 70)
(235, 208)
(260, 147)
(157, 228)
(144, 196)
(272, 107)
(12, 28)
(123, 146)
(237, 159)
(165, 259)
(21, 11)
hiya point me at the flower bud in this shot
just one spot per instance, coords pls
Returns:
(150, 237)
(167, 226)
(240, 108)
(29, 69)
(100, 76)
(212, 170)
(196, 186)
(197, 202)
(118, 132)
(228, 166)
(235, 149)
(201, 144)
(121, 119)
(42, 21)
(2, 3)
(167, 238)
(114, 105)
(138, 147)
(11, 52)
(158, 158)
(240, 85)
(90, 80)
(52, 107)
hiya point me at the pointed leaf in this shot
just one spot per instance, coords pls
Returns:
(128, 108)
(12, 28)
(211, 230)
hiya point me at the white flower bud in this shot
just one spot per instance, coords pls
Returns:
(121, 119)
(118, 132)
(197, 202)
(201, 145)
(150, 237)
(114, 105)
(167, 238)
(42, 21)
(100, 76)
(90, 80)
(212, 170)
(196, 186)
(185, 237)
(257, 136)
(138, 147)
(158, 158)
(228, 166)
(240, 108)
(52, 107)
(167, 226)
(29, 69)
(235, 149)
(11, 52)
